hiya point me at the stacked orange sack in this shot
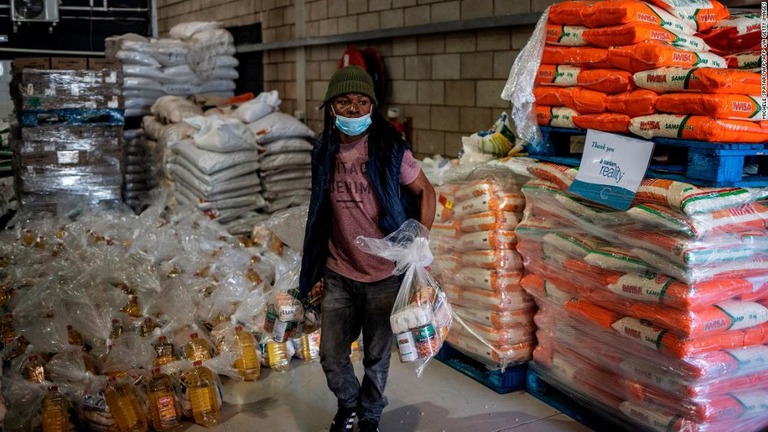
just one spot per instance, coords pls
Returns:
(473, 243)
(614, 47)
(658, 315)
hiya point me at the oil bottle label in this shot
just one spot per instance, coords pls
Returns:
(166, 409)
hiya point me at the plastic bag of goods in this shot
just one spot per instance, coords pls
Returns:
(421, 316)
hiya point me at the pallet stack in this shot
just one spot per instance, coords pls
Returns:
(67, 146)
(655, 316)
(659, 71)
(473, 243)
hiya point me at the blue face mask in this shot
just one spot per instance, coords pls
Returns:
(353, 126)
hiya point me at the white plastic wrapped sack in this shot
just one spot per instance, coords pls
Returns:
(260, 106)
(210, 162)
(113, 44)
(279, 125)
(143, 71)
(188, 29)
(226, 62)
(181, 89)
(136, 58)
(135, 83)
(175, 109)
(181, 174)
(286, 145)
(219, 176)
(216, 86)
(152, 127)
(271, 162)
(169, 52)
(221, 134)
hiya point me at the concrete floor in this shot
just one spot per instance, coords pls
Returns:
(441, 400)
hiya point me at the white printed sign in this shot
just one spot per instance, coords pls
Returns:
(611, 169)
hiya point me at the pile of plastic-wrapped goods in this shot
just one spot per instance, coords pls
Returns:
(655, 69)
(656, 316)
(197, 58)
(473, 243)
(67, 144)
(234, 158)
(103, 312)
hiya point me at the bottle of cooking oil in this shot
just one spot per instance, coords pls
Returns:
(203, 394)
(309, 346)
(34, 371)
(74, 337)
(116, 330)
(9, 330)
(197, 348)
(277, 353)
(124, 406)
(164, 410)
(54, 415)
(248, 365)
(132, 307)
(148, 325)
(165, 352)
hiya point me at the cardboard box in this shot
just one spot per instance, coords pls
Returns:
(32, 63)
(69, 63)
(103, 63)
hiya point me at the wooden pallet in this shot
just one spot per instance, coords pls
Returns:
(701, 163)
(502, 382)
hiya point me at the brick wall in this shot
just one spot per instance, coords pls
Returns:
(449, 83)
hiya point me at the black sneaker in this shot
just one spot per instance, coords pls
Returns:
(367, 425)
(345, 418)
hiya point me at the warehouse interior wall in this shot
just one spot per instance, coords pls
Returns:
(448, 83)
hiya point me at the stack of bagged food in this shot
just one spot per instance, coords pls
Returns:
(473, 242)
(197, 58)
(656, 315)
(234, 157)
(655, 69)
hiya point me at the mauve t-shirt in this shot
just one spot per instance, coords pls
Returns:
(355, 212)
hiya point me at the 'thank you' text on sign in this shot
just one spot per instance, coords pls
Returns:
(611, 169)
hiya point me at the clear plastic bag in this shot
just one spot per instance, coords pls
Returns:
(421, 316)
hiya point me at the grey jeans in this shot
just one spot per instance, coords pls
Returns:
(347, 307)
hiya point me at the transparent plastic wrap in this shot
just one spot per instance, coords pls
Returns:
(712, 390)
(129, 354)
(23, 399)
(519, 87)
(283, 224)
(682, 197)
(37, 89)
(421, 316)
(626, 245)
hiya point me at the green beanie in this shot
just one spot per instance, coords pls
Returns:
(351, 79)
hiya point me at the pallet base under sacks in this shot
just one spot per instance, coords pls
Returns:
(511, 379)
(568, 404)
(696, 162)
